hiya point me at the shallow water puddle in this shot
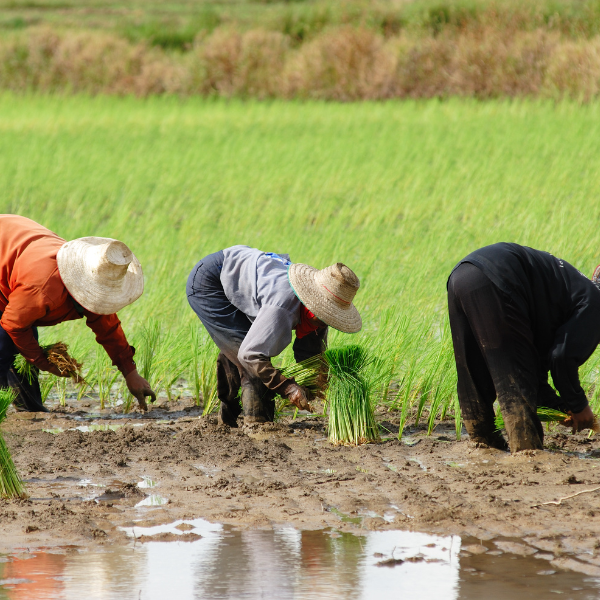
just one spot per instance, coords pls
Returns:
(286, 564)
(99, 427)
(152, 500)
(147, 482)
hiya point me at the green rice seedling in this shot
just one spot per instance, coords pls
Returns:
(58, 355)
(341, 375)
(349, 394)
(173, 362)
(391, 343)
(47, 383)
(203, 374)
(444, 385)
(546, 415)
(375, 207)
(311, 374)
(148, 350)
(103, 376)
(11, 485)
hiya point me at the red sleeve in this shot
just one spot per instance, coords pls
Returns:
(25, 306)
(111, 336)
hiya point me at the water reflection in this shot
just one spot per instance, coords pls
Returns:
(283, 564)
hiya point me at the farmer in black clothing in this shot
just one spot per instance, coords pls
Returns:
(517, 313)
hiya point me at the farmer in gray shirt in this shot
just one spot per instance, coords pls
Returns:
(250, 301)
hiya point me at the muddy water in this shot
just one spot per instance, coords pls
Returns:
(285, 563)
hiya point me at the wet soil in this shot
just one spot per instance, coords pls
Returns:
(85, 484)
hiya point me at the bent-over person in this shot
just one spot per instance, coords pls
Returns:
(45, 280)
(250, 301)
(516, 314)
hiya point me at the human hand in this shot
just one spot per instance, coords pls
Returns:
(45, 365)
(298, 396)
(581, 420)
(139, 388)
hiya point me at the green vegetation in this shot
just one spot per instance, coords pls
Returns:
(351, 406)
(174, 25)
(398, 191)
(319, 49)
(11, 485)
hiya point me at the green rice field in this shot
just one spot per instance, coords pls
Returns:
(399, 191)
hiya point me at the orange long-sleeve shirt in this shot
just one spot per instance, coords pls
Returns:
(32, 293)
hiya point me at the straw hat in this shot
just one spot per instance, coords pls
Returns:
(328, 294)
(102, 274)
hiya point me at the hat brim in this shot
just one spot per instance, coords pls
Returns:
(319, 302)
(99, 297)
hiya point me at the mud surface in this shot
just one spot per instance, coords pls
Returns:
(173, 464)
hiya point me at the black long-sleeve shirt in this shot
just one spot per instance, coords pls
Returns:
(563, 306)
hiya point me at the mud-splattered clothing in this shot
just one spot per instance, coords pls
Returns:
(515, 314)
(244, 299)
(32, 294)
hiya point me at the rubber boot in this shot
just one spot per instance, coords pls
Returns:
(258, 401)
(485, 433)
(228, 388)
(29, 396)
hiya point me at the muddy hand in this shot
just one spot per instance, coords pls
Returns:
(139, 388)
(581, 420)
(47, 366)
(298, 397)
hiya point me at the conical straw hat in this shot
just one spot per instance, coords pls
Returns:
(328, 294)
(102, 274)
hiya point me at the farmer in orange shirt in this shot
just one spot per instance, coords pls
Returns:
(44, 281)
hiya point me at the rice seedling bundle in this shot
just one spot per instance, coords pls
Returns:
(11, 485)
(351, 411)
(340, 374)
(58, 355)
(547, 415)
(311, 374)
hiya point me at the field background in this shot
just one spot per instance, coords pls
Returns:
(399, 191)
(318, 49)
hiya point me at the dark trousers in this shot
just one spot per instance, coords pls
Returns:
(29, 396)
(496, 357)
(227, 326)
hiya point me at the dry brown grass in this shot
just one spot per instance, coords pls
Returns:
(343, 63)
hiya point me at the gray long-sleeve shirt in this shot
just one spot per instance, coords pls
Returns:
(257, 284)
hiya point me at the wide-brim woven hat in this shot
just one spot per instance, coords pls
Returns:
(102, 274)
(328, 294)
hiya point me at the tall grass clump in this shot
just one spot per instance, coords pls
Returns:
(11, 485)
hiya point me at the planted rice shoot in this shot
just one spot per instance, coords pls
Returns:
(203, 366)
(547, 415)
(11, 485)
(378, 186)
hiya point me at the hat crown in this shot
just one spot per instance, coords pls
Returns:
(340, 281)
(102, 274)
(112, 260)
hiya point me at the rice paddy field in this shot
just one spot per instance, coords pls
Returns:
(399, 191)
